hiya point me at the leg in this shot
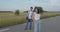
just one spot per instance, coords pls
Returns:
(26, 27)
(30, 26)
(38, 26)
(35, 26)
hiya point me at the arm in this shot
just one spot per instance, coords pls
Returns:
(27, 16)
(33, 17)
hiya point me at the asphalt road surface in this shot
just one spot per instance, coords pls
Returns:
(47, 25)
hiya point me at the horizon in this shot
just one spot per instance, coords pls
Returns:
(23, 5)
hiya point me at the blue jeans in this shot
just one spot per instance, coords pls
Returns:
(28, 24)
(37, 25)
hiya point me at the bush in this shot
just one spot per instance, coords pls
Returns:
(17, 12)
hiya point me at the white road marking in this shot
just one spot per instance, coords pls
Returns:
(4, 30)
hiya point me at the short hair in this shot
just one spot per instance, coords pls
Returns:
(31, 7)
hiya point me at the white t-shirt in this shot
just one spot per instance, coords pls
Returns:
(30, 14)
(37, 16)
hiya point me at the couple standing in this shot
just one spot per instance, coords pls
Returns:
(33, 17)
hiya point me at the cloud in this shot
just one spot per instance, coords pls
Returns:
(54, 3)
(51, 3)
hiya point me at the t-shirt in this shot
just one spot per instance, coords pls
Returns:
(37, 16)
(29, 14)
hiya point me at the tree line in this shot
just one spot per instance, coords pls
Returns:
(17, 12)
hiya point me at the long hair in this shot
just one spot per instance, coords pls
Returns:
(38, 12)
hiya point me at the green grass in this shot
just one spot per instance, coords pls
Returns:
(8, 19)
(9, 22)
(11, 19)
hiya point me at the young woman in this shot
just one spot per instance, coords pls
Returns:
(36, 20)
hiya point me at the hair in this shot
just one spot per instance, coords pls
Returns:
(31, 7)
(38, 12)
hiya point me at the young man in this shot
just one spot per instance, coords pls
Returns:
(29, 20)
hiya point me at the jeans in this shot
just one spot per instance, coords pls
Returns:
(37, 25)
(28, 24)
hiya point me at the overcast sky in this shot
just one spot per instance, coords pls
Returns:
(48, 5)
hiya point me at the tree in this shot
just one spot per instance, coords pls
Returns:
(17, 12)
(40, 9)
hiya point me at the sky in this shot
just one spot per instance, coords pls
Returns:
(23, 5)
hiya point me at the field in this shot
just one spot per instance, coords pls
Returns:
(49, 14)
(8, 19)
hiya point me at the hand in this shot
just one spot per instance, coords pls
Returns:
(33, 21)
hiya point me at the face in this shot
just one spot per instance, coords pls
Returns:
(30, 9)
(36, 10)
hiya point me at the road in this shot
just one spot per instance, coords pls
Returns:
(47, 25)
